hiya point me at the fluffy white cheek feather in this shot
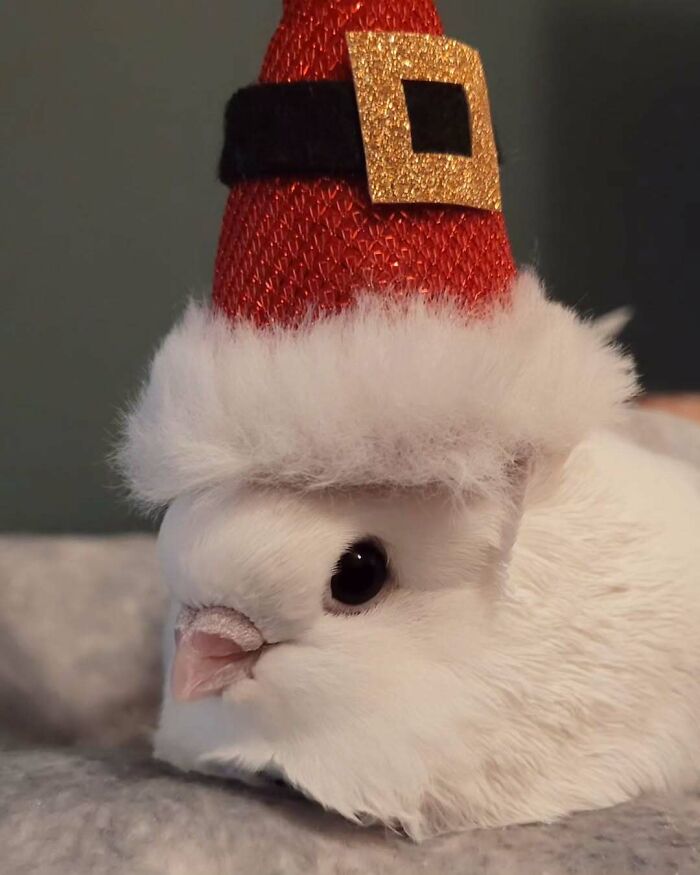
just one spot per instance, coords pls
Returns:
(468, 696)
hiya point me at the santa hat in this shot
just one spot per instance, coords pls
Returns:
(367, 326)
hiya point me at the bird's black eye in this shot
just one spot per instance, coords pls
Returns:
(360, 574)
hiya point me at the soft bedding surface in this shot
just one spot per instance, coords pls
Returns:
(79, 812)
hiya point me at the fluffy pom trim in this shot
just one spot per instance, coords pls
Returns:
(391, 393)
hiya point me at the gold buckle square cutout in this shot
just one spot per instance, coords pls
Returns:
(396, 174)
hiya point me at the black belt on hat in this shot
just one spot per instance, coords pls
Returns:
(313, 128)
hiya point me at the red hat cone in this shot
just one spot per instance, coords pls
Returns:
(289, 246)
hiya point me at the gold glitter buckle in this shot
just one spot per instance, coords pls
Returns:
(381, 64)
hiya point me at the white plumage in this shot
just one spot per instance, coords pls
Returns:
(537, 651)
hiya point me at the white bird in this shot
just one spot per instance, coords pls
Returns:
(493, 622)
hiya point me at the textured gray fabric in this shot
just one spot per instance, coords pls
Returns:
(80, 670)
(665, 434)
(69, 813)
(79, 639)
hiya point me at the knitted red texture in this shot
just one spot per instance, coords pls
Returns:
(290, 247)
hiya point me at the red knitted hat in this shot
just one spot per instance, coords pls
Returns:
(289, 245)
(362, 332)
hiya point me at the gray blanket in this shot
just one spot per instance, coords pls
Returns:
(79, 794)
(77, 812)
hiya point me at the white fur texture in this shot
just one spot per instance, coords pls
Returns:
(392, 394)
(490, 685)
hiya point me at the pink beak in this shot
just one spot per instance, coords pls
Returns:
(214, 647)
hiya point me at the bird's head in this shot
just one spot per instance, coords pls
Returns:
(328, 639)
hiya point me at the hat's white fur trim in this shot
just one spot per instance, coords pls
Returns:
(391, 393)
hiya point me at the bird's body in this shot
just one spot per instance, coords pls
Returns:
(494, 682)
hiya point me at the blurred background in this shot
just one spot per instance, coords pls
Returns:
(111, 128)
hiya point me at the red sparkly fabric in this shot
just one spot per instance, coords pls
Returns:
(291, 246)
(310, 41)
